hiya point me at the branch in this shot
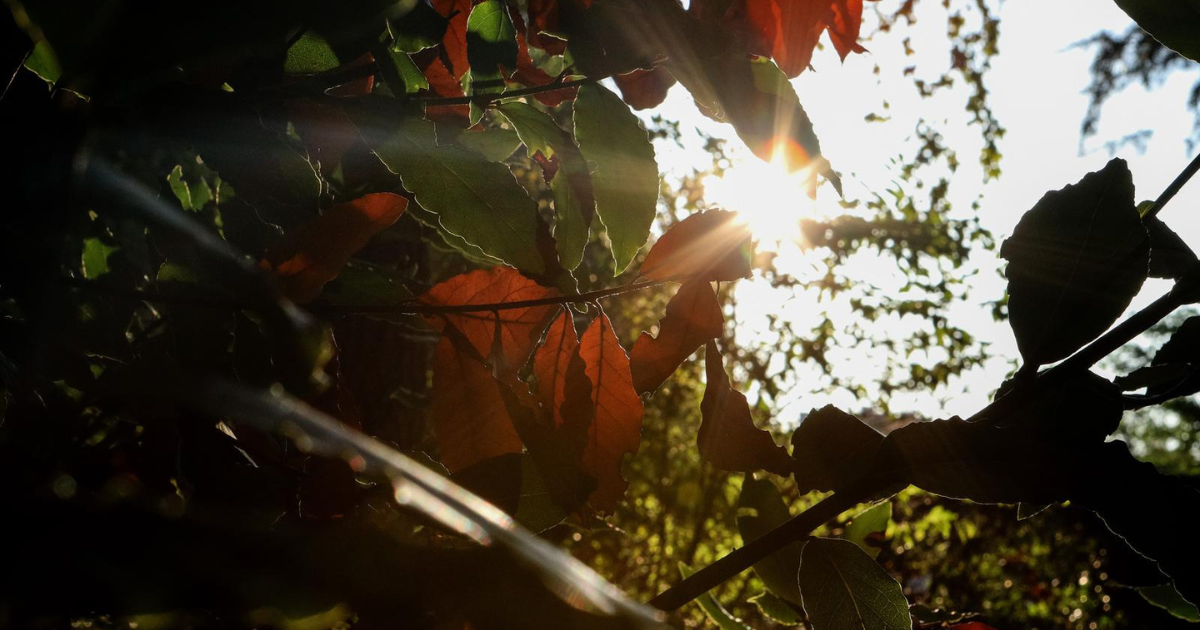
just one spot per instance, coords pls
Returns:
(485, 99)
(1175, 186)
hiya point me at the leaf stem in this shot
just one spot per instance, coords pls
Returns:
(1175, 186)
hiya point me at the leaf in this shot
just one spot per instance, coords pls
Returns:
(617, 425)
(310, 54)
(760, 510)
(470, 419)
(313, 254)
(520, 329)
(420, 28)
(788, 31)
(43, 62)
(551, 363)
(867, 525)
(495, 144)
(1183, 348)
(844, 589)
(1075, 262)
(1174, 23)
(712, 246)
(776, 609)
(94, 261)
(644, 89)
(454, 42)
(491, 50)
(832, 449)
(475, 199)
(713, 608)
(727, 436)
(574, 202)
(625, 181)
(1166, 597)
(845, 25)
(1026, 510)
(1170, 257)
(693, 317)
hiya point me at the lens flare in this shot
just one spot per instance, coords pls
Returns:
(767, 196)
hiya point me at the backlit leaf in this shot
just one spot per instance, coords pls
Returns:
(474, 198)
(520, 328)
(470, 419)
(309, 55)
(711, 246)
(693, 317)
(644, 89)
(844, 589)
(313, 254)
(1075, 262)
(454, 42)
(551, 363)
(617, 426)
(728, 437)
(491, 49)
(868, 524)
(625, 177)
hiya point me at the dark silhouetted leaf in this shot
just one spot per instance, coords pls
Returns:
(644, 89)
(868, 525)
(1175, 23)
(712, 246)
(617, 425)
(625, 177)
(1182, 349)
(1170, 257)
(551, 363)
(314, 254)
(421, 28)
(1166, 597)
(520, 328)
(832, 448)
(727, 436)
(760, 510)
(1075, 262)
(693, 317)
(497, 480)
(776, 609)
(844, 589)
(470, 419)
(474, 198)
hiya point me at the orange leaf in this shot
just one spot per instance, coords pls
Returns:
(844, 28)
(551, 362)
(643, 89)
(314, 254)
(790, 29)
(454, 44)
(728, 437)
(520, 328)
(530, 75)
(442, 84)
(470, 419)
(693, 317)
(710, 245)
(616, 428)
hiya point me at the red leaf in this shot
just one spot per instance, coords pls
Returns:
(728, 437)
(443, 85)
(357, 87)
(551, 363)
(470, 419)
(844, 28)
(520, 328)
(544, 17)
(789, 29)
(710, 245)
(616, 428)
(643, 89)
(454, 44)
(693, 317)
(529, 74)
(314, 254)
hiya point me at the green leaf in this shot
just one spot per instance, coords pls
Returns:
(1166, 597)
(362, 283)
(491, 50)
(495, 144)
(1075, 262)
(574, 202)
(475, 199)
(844, 589)
(761, 509)
(1175, 23)
(310, 54)
(43, 62)
(421, 28)
(625, 177)
(832, 449)
(95, 257)
(776, 609)
(712, 608)
(406, 70)
(190, 188)
(868, 522)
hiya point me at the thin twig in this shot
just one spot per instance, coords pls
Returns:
(484, 99)
(1175, 186)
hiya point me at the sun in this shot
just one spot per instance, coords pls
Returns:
(769, 198)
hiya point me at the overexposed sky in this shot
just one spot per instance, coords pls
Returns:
(1036, 91)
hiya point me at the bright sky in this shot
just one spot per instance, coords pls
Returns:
(1036, 87)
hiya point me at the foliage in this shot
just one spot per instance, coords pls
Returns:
(465, 164)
